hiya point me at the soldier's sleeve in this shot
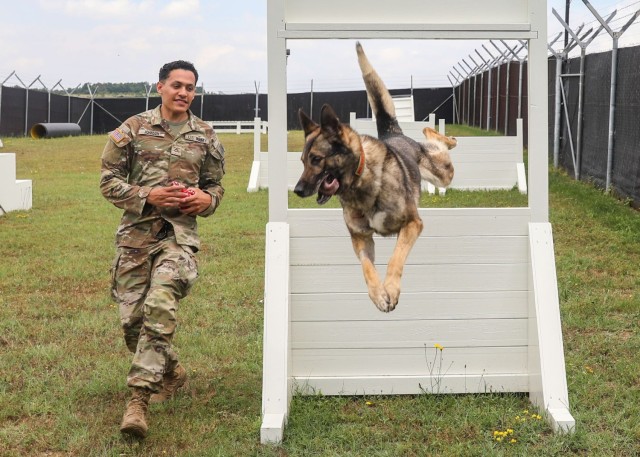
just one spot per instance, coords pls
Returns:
(211, 174)
(115, 170)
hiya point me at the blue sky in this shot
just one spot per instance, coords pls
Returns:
(80, 41)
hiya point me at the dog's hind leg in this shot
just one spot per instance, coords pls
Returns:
(364, 248)
(406, 239)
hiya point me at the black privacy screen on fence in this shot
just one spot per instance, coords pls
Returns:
(493, 106)
(625, 176)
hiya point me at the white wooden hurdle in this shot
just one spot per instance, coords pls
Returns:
(480, 162)
(239, 127)
(489, 162)
(15, 194)
(481, 282)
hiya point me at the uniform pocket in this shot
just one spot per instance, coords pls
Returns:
(113, 271)
(189, 268)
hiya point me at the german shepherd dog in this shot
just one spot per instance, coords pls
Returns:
(376, 179)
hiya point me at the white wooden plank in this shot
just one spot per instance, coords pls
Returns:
(484, 170)
(407, 334)
(416, 278)
(438, 221)
(546, 352)
(488, 157)
(276, 393)
(426, 251)
(426, 305)
(411, 385)
(408, 11)
(522, 178)
(409, 361)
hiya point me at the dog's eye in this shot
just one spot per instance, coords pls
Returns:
(315, 160)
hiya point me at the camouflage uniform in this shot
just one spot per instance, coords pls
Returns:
(155, 264)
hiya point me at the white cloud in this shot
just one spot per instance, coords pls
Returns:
(177, 9)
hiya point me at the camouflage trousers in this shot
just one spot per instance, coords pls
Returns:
(147, 285)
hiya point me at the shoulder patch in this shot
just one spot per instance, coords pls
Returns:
(120, 137)
(217, 145)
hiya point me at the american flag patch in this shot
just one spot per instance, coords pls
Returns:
(120, 137)
(117, 135)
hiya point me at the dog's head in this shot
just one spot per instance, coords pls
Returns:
(449, 142)
(331, 156)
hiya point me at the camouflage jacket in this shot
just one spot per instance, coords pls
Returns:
(141, 154)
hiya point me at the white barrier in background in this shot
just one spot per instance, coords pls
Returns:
(488, 162)
(15, 194)
(412, 129)
(480, 162)
(238, 126)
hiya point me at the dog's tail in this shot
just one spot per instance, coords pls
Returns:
(379, 98)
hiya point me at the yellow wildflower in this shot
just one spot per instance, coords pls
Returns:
(513, 441)
(438, 346)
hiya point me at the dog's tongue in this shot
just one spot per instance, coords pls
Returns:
(330, 185)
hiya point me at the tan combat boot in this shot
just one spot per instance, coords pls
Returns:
(171, 382)
(134, 421)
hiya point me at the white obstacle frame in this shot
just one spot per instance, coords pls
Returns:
(480, 162)
(15, 194)
(480, 281)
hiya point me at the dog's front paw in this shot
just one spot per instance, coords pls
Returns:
(393, 291)
(380, 298)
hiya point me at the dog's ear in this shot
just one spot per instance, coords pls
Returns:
(329, 123)
(306, 123)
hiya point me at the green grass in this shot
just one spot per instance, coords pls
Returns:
(63, 363)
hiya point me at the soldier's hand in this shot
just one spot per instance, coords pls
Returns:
(196, 201)
(171, 196)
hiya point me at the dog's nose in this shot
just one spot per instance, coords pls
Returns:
(299, 189)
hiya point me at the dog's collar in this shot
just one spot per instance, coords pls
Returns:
(360, 168)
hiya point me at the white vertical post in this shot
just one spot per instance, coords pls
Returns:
(257, 130)
(538, 116)
(277, 73)
(276, 388)
(548, 379)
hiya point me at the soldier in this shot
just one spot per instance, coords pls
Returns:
(163, 167)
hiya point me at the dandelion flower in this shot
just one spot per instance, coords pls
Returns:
(438, 346)
(513, 441)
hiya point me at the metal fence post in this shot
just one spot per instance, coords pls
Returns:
(612, 96)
